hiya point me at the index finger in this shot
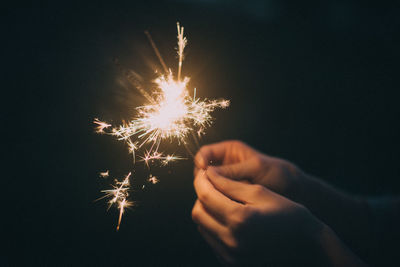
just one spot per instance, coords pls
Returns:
(213, 200)
(209, 153)
(222, 152)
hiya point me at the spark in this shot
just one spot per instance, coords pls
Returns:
(164, 159)
(104, 174)
(152, 179)
(132, 146)
(118, 196)
(101, 125)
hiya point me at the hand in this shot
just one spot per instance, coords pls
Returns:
(346, 215)
(236, 160)
(247, 223)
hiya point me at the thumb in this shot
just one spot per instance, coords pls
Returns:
(239, 171)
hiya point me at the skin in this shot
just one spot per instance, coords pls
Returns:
(252, 209)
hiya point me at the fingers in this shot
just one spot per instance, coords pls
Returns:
(212, 231)
(238, 191)
(247, 169)
(220, 249)
(218, 204)
(205, 220)
(209, 153)
(223, 152)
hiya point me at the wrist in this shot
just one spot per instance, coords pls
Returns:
(333, 250)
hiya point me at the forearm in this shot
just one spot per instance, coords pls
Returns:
(335, 251)
(348, 216)
(385, 221)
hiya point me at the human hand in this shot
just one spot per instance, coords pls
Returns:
(247, 223)
(346, 215)
(236, 160)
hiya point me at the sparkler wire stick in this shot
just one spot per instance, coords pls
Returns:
(170, 114)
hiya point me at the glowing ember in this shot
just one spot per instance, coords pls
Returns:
(152, 179)
(104, 174)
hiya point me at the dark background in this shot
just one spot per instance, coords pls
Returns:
(313, 83)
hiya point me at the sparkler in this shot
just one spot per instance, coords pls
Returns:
(169, 114)
(118, 196)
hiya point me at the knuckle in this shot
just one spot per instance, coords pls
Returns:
(258, 162)
(231, 243)
(226, 171)
(202, 154)
(286, 167)
(247, 213)
(300, 207)
(195, 181)
(282, 165)
(279, 169)
(199, 155)
(237, 218)
(237, 143)
(259, 190)
(235, 223)
(203, 149)
(195, 213)
(203, 196)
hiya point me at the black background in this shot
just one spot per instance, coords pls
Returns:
(314, 83)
